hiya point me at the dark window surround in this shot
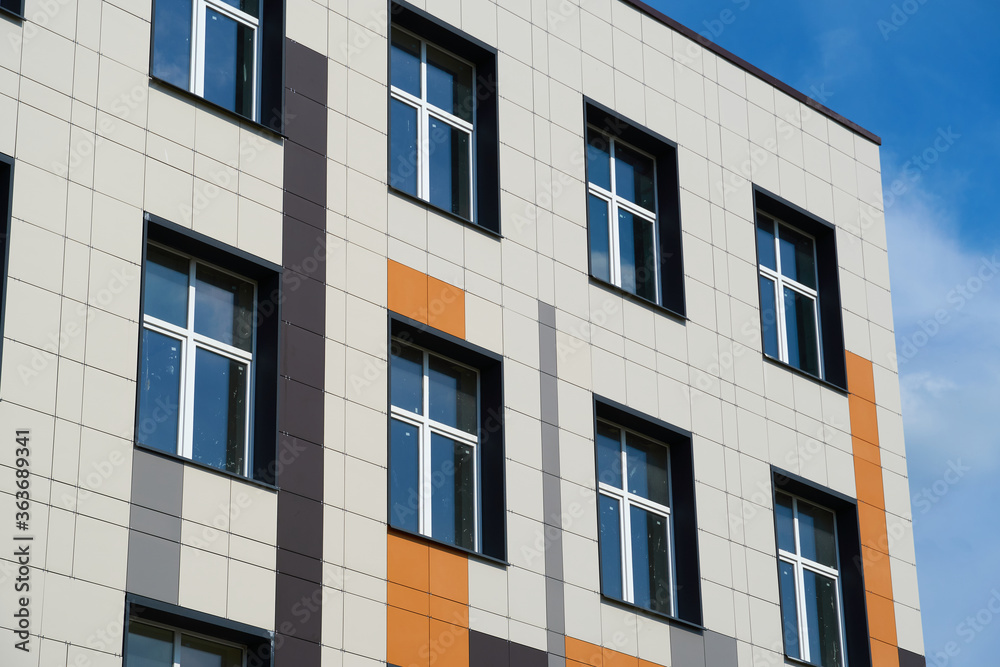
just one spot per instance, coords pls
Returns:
(492, 484)
(13, 8)
(487, 132)
(259, 643)
(270, 68)
(668, 220)
(269, 279)
(831, 321)
(683, 511)
(852, 584)
(6, 201)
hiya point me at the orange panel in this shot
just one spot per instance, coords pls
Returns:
(408, 563)
(445, 307)
(407, 291)
(868, 478)
(616, 659)
(860, 377)
(878, 573)
(881, 619)
(406, 642)
(449, 611)
(449, 575)
(584, 653)
(864, 423)
(884, 655)
(449, 645)
(867, 451)
(409, 599)
(873, 530)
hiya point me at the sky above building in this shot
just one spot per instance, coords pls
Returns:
(925, 76)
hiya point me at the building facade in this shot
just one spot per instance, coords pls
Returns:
(438, 333)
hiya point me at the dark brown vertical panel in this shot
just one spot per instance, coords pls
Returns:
(299, 595)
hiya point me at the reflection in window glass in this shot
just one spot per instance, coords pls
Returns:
(800, 331)
(452, 475)
(650, 562)
(220, 397)
(822, 613)
(609, 455)
(600, 258)
(403, 147)
(197, 652)
(785, 523)
(159, 391)
(149, 646)
(816, 534)
(789, 608)
(768, 317)
(406, 384)
(223, 307)
(598, 159)
(405, 62)
(634, 177)
(165, 295)
(449, 84)
(229, 63)
(449, 168)
(765, 242)
(172, 42)
(798, 261)
(611, 555)
(453, 399)
(647, 469)
(638, 256)
(404, 475)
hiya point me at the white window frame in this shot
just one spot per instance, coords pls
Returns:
(800, 564)
(199, 19)
(427, 427)
(190, 341)
(178, 633)
(614, 202)
(425, 111)
(625, 502)
(781, 281)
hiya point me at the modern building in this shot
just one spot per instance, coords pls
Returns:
(438, 334)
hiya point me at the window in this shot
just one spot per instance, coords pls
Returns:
(801, 321)
(634, 508)
(215, 49)
(820, 574)
(200, 375)
(788, 295)
(152, 645)
(632, 210)
(6, 197)
(445, 442)
(162, 634)
(645, 505)
(809, 581)
(442, 118)
(15, 7)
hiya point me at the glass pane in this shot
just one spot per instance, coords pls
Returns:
(149, 646)
(220, 411)
(406, 62)
(197, 652)
(406, 378)
(453, 399)
(765, 242)
(453, 507)
(250, 7)
(449, 84)
(600, 241)
(784, 523)
(403, 158)
(647, 469)
(650, 560)
(768, 317)
(159, 391)
(172, 42)
(404, 476)
(789, 610)
(165, 295)
(609, 455)
(822, 619)
(223, 308)
(816, 534)
(798, 261)
(611, 547)
(598, 159)
(638, 257)
(450, 177)
(800, 331)
(634, 177)
(229, 63)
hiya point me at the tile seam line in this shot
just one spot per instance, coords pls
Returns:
(752, 69)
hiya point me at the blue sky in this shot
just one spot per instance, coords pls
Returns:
(905, 71)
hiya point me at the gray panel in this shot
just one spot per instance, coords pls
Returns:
(155, 523)
(154, 567)
(550, 449)
(548, 349)
(550, 399)
(547, 314)
(687, 648)
(555, 610)
(556, 661)
(157, 482)
(720, 650)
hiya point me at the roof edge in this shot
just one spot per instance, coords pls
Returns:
(752, 69)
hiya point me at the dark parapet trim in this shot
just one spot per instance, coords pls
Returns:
(756, 71)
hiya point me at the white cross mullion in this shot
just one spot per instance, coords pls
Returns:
(614, 251)
(426, 474)
(186, 443)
